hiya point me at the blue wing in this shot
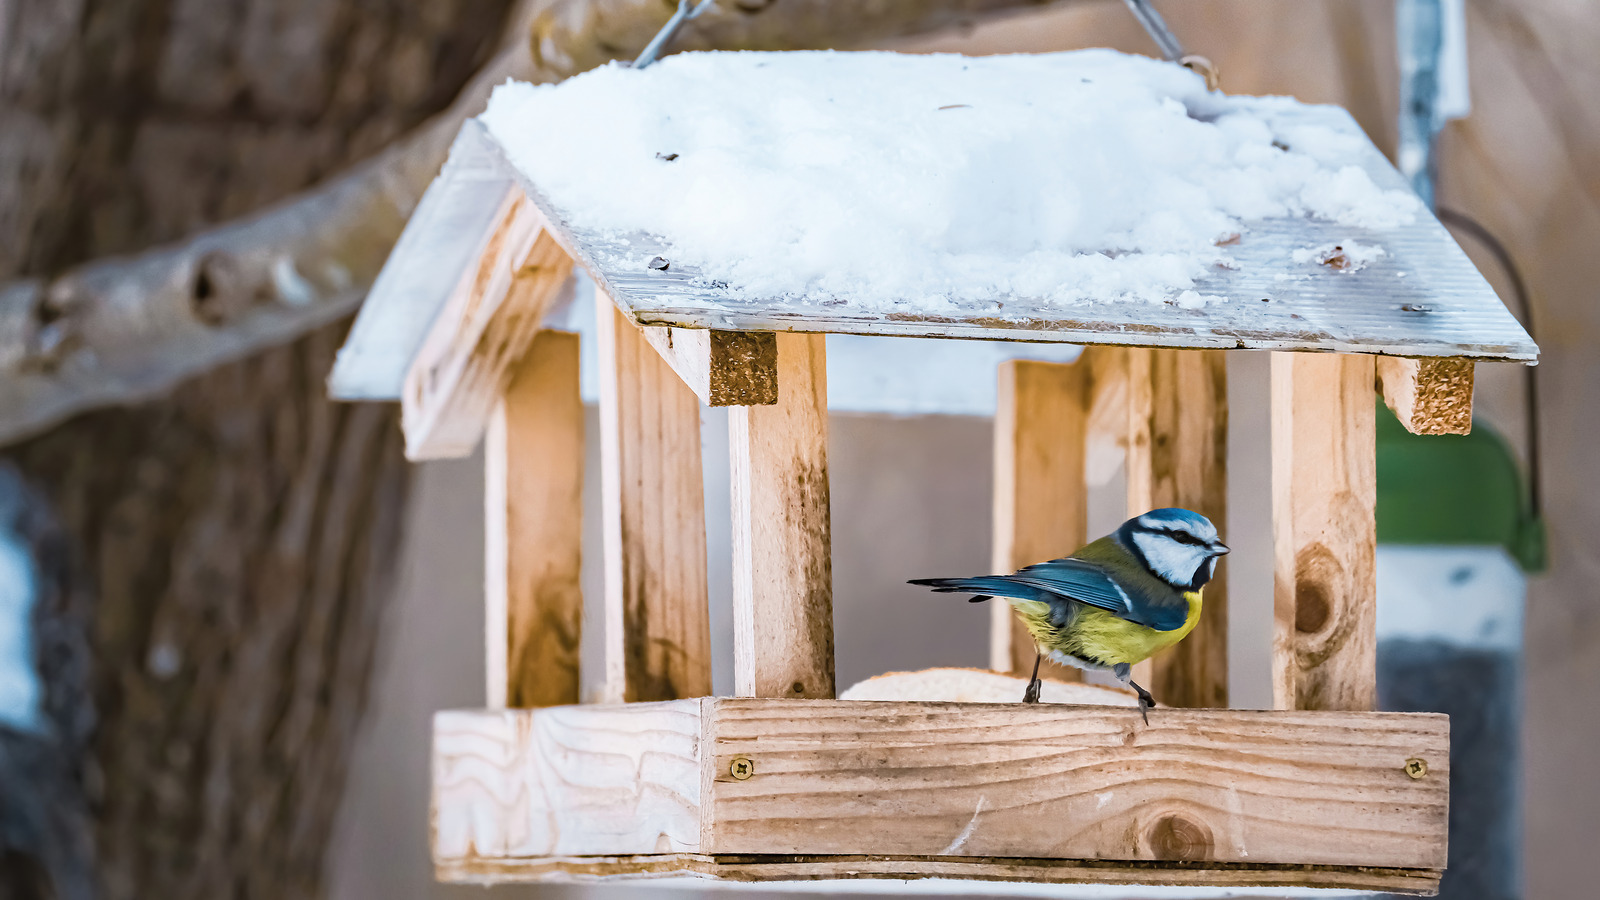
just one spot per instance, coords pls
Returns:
(1076, 579)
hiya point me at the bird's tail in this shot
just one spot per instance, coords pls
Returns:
(985, 586)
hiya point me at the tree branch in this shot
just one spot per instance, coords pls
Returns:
(122, 329)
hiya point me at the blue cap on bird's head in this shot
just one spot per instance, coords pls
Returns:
(1179, 546)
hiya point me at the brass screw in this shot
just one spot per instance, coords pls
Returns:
(742, 768)
(1416, 768)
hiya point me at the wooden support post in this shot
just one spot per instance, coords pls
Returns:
(1429, 396)
(1178, 456)
(658, 633)
(1041, 508)
(1324, 497)
(483, 330)
(533, 529)
(723, 368)
(782, 571)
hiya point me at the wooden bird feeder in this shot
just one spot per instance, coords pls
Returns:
(784, 782)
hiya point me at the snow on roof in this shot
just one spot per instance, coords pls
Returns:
(1087, 196)
(935, 182)
(1083, 197)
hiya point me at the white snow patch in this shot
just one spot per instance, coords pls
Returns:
(931, 182)
(1346, 256)
(1197, 300)
(20, 691)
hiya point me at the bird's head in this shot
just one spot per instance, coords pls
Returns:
(1178, 546)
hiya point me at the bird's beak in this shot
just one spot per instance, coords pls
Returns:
(1219, 549)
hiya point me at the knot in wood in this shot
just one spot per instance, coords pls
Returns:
(1317, 572)
(1178, 837)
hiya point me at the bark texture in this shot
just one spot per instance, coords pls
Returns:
(236, 539)
(221, 553)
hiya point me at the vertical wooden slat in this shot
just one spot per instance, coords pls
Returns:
(533, 529)
(1041, 508)
(782, 572)
(658, 633)
(1178, 456)
(1324, 495)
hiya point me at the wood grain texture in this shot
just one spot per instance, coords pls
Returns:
(533, 529)
(1443, 307)
(1041, 508)
(964, 779)
(1428, 396)
(658, 631)
(443, 239)
(723, 368)
(839, 789)
(484, 328)
(1324, 498)
(782, 565)
(1178, 456)
(997, 871)
(566, 780)
(1106, 386)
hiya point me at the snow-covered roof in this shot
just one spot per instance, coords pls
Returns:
(1087, 197)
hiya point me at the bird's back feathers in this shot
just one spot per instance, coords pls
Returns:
(1084, 577)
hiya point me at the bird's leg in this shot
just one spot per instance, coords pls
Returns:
(1031, 695)
(1145, 700)
(1124, 674)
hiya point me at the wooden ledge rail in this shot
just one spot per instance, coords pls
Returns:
(754, 868)
(1428, 396)
(723, 368)
(1002, 790)
(483, 330)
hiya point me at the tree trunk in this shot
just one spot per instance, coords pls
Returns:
(221, 554)
(236, 539)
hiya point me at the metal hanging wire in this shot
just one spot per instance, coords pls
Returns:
(686, 11)
(1168, 43)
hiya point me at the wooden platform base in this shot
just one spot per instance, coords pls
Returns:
(779, 790)
(581, 869)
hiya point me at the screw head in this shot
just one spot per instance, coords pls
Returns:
(742, 768)
(1416, 768)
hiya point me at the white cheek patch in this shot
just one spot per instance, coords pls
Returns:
(1171, 561)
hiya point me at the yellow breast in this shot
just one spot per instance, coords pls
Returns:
(1098, 636)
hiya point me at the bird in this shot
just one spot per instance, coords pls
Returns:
(1114, 602)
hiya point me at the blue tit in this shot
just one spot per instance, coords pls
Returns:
(1117, 601)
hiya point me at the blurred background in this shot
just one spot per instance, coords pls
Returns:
(228, 607)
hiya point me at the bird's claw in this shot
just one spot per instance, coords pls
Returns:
(1145, 701)
(1031, 695)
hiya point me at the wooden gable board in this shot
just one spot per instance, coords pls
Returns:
(442, 240)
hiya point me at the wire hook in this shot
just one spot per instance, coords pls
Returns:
(669, 31)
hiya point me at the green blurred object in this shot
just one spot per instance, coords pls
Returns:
(1454, 489)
